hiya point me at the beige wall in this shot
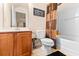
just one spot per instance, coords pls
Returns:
(7, 15)
(1, 15)
(37, 23)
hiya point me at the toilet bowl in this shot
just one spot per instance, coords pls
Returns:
(47, 43)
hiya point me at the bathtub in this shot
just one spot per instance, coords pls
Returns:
(68, 47)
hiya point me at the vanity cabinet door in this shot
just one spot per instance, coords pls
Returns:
(23, 44)
(6, 44)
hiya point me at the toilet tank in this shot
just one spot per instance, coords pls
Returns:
(40, 34)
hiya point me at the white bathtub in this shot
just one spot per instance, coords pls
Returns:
(69, 47)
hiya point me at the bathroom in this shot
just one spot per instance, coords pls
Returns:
(31, 25)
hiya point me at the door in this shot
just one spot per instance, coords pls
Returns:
(6, 44)
(23, 44)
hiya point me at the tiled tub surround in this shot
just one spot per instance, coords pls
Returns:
(68, 26)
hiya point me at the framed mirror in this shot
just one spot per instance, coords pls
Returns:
(19, 15)
(20, 19)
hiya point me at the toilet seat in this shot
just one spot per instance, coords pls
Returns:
(47, 41)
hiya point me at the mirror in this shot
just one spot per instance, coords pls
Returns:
(19, 15)
(20, 19)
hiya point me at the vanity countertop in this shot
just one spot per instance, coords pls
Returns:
(14, 29)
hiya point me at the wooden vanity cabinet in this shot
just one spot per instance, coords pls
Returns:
(23, 44)
(6, 44)
(16, 43)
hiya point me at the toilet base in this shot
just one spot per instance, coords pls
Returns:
(42, 51)
(48, 49)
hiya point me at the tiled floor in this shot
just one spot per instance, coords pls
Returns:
(41, 52)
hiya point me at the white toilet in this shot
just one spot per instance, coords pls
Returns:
(47, 43)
